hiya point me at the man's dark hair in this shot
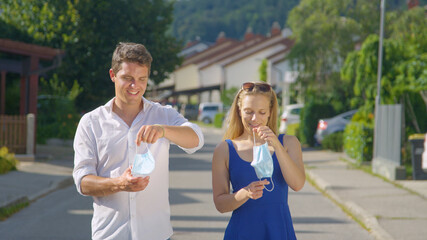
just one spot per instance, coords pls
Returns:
(130, 52)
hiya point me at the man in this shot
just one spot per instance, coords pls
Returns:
(127, 206)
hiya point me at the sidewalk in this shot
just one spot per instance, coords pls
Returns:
(388, 210)
(36, 179)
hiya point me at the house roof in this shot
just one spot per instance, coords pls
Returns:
(234, 56)
(230, 50)
(277, 56)
(218, 46)
(21, 48)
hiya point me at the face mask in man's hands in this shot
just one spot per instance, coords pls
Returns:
(263, 162)
(143, 163)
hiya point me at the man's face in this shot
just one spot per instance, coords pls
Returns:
(130, 83)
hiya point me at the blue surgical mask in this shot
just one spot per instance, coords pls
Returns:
(263, 162)
(143, 163)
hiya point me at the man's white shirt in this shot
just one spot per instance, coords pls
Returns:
(105, 146)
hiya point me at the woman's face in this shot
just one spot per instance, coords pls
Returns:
(255, 111)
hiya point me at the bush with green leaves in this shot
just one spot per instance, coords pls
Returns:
(292, 129)
(333, 142)
(310, 115)
(358, 136)
(57, 116)
(219, 118)
(8, 161)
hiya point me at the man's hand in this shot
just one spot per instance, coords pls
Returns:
(149, 134)
(130, 183)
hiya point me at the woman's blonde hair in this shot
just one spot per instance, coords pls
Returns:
(235, 126)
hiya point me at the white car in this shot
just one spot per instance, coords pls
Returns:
(290, 115)
(208, 110)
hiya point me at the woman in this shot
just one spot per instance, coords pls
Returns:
(256, 214)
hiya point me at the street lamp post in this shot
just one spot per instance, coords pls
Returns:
(380, 58)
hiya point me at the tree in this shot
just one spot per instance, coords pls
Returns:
(207, 18)
(404, 71)
(105, 23)
(89, 31)
(263, 70)
(50, 23)
(325, 32)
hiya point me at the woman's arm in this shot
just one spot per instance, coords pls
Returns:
(289, 156)
(223, 199)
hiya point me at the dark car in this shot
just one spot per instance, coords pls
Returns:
(190, 111)
(332, 125)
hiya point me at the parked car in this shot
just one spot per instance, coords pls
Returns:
(190, 111)
(290, 115)
(332, 125)
(208, 110)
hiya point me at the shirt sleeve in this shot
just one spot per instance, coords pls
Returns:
(177, 119)
(85, 158)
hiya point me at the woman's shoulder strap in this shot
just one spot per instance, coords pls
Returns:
(281, 137)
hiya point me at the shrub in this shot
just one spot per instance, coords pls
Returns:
(219, 118)
(292, 129)
(57, 116)
(333, 142)
(8, 161)
(310, 115)
(358, 141)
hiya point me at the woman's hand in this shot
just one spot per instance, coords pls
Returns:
(266, 134)
(255, 189)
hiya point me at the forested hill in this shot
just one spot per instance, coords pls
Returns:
(207, 18)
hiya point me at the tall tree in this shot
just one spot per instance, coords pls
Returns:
(50, 23)
(101, 26)
(207, 18)
(325, 32)
(404, 74)
(89, 31)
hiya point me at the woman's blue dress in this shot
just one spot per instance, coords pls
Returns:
(267, 218)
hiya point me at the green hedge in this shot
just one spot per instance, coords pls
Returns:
(219, 118)
(8, 161)
(333, 142)
(358, 141)
(310, 116)
(292, 129)
(56, 118)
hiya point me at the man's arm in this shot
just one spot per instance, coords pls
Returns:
(96, 186)
(182, 136)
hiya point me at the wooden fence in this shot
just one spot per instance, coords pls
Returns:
(13, 133)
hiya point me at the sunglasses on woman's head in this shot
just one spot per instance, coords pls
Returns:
(263, 87)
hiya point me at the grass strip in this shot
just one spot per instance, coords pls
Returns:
(344, 208)
(6, 212)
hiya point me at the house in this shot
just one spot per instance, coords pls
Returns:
(229, 63)
(29, 61)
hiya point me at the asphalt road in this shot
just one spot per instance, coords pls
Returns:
(65, 214)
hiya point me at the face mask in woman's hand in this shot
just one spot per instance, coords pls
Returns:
(263, 162)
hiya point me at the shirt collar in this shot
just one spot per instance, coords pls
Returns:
(109, 105)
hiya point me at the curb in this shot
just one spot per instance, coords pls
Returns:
(68, 181)
(357, 212)
(52, 188)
